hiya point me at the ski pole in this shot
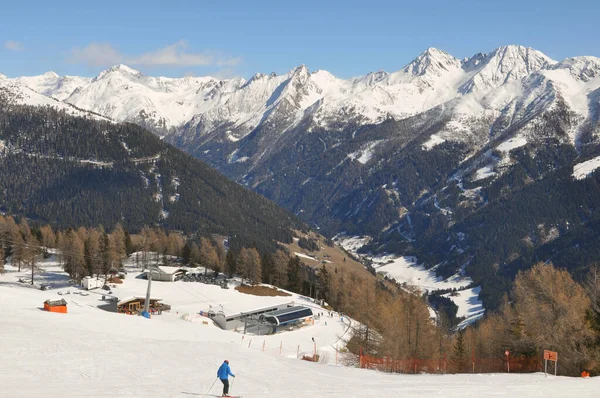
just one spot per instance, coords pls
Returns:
(232, 383)
(212, 385)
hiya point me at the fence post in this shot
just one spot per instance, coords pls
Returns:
(298, 352)
(280, 347)
(415, 363)
(473, 358)
(242, 339)
(264, 342)
(360, 360)
(445, 364)
(336, 357)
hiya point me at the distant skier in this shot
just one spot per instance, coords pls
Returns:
(223, 374)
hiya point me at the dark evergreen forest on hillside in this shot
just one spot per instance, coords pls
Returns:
(71, 171)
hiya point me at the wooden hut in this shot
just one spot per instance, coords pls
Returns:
(56, 306)
(134, 305)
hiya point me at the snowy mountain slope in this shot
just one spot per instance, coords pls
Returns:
(53, 85)
(125, 94)
(230, 109)
(18, 93)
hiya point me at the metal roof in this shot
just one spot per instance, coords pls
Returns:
(287, 310)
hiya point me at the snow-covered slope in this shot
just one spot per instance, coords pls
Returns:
(16, 92)
(93, 353)
(125, 94)
(53, 85)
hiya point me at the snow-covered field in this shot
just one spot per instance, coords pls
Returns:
(89, 352)
(92, 353)
(584, 169)
(406, 270)
(469, 305)
(188, 299)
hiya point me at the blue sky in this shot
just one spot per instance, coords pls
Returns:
(225, 38)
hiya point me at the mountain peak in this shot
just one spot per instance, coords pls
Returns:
(582, 68)
(301, 70)
(120, 68)
(529, 55)
(432, 61)
(504, 64)
(51, 75)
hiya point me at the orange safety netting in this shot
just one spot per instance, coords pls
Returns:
(442, 365)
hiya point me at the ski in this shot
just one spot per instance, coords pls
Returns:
(228, 396)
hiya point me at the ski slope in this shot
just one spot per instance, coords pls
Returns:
(89, 352)
(92, 353)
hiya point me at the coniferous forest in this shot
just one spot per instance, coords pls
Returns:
(70, 171)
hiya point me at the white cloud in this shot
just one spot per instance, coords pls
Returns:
(104, 54)
(96, 54)
(13, 45)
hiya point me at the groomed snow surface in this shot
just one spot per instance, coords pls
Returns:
(89, 352)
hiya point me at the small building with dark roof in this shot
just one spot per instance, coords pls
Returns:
(286, 317)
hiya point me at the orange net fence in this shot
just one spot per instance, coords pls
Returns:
(443, 365)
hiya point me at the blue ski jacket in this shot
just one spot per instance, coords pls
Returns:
(224, 371)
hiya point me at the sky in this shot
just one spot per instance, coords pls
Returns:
(228, 38)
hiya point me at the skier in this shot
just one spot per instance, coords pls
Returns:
(223, 374)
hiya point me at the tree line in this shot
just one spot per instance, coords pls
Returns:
(545, 309)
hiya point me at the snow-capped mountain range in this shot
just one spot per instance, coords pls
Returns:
(511, 80)
(429, 160)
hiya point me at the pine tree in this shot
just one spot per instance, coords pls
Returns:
(242, 261)
(460, 352)
(129, 249)
(195, 256)
(268, 268)
(105, 253)
(231, 263)
(323, 283)
(186, 252)
(294, 274)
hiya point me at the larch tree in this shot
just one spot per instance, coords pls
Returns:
(209, 258)
(280, 262)
(551, 311)
(117, 246)
(253, 266)
(48, 238)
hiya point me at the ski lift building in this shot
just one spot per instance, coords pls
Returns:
(248, 321)
(286, 317)
(165, 274)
